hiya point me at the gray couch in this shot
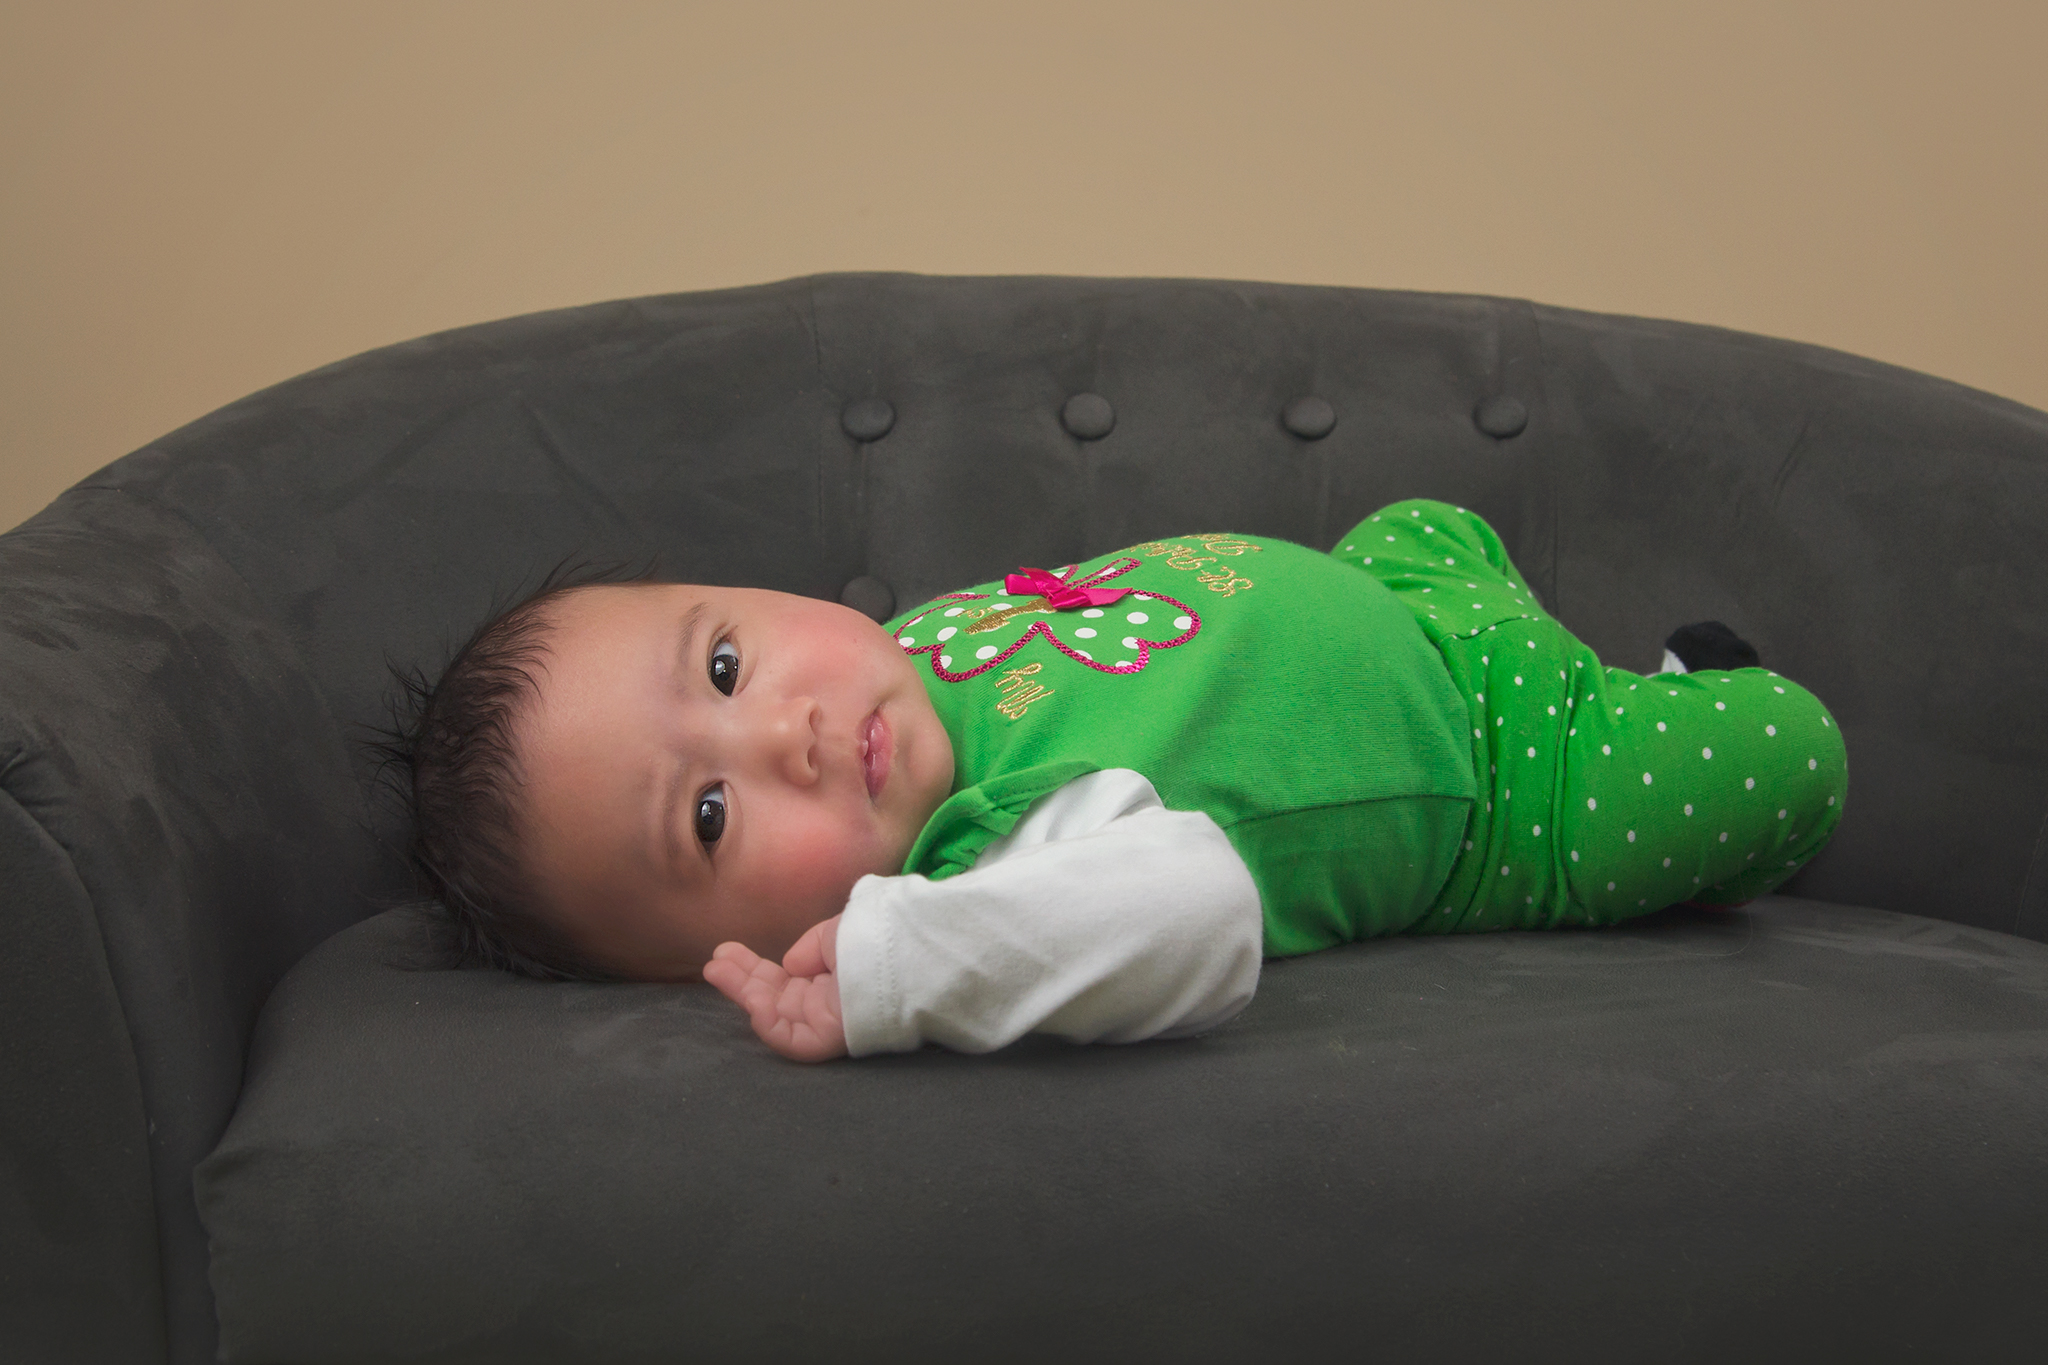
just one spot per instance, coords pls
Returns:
(240, 1116)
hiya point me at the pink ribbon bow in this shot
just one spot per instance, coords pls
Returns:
(1057, 592)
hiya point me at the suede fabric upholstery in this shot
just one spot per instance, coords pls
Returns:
(1799, 1132)
(193, 640)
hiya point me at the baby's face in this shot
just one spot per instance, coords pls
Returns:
(704, 764)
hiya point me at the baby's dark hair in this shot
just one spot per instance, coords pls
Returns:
(450, 759)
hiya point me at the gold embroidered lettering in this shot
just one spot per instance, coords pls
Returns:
(1018, 691)
(1223, 581)
(1226, 544)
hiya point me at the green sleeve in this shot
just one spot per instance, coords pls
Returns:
(975, 817)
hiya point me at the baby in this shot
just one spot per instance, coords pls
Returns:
(1087, 801)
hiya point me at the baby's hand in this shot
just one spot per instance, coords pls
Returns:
(794, 1007)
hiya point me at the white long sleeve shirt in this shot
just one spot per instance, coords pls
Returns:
(1102, 917)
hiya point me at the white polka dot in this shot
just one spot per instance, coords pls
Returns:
(1085, 632)
(1532, 644)
(998, 602)
(1477, 733)
(1532, 751)
(1574, 730)
(1500, 720)
(1481, 696)
(1092, 612)
(1503, 869)
(1429, 530)
(1086, 655)
(1631, 836)
(1617, 710)
(1720, 706)
(1592, 803)
(1389, 537)
(1724, 836)
(1183, 622)
(1528, 900)
(1812, 763)
(1610, 886)
(1368, 559)
(985, 652)
(1475, 606)
(1781, 815)
(1575, 855)
(954, 611)
(1688, 808)
(1415, 513)
(1141, 597)
(905, 639)
(1706, 753)
(1485, 659)
(1130, 642)
(1518, 680)
(1468, 843)
(1607, 749)
(945, 661)
(1831, 800)
(1568, 703)
(1673, 693)
(1825, 721)
(1508, 795)
(1553, 710)
(1770, 729)
(1136, 618)
(949, 632)
(1450, 561)
(1646, 779)
(1660, 725)
(1778, 689)
(1749, 784)
(1667, 862)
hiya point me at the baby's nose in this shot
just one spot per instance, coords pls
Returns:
(795, 732)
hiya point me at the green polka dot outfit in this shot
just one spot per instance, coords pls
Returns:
(1603, 793)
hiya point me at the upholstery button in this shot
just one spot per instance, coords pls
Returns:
(1309, 418)
(1501, 417)
(867, 419)
(1088, 416)
(871, 597)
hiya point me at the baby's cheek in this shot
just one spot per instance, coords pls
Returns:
(822, 861)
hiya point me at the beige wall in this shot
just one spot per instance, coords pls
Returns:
(199, 200)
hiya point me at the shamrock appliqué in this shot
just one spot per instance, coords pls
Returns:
(968, 633)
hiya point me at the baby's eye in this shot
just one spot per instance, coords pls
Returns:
(711, 816)
(725, 666)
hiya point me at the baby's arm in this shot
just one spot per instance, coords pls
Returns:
(1102, 917)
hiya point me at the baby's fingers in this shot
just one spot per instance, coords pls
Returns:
(744, 977)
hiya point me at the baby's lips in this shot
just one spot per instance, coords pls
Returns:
(876, 745)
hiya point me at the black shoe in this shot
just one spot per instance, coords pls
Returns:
(1711, 645)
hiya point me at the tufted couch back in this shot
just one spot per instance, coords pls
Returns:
(195, 638)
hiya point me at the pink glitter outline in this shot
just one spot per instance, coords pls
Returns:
(1039, 628)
